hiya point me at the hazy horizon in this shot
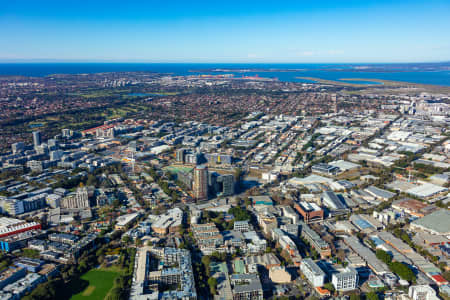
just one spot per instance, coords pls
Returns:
(37, 61)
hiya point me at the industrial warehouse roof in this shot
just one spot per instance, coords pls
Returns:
(266, 259)
(344, 165)
(331, 200)
(426, 190)
(373, 262)
(310, 179)
(379, 193)
(437, 222)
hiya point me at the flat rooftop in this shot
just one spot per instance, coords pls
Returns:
(438, 222)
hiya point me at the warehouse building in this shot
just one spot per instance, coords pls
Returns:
(437, 223)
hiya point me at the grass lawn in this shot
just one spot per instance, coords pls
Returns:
(177, 169)
(100, 281)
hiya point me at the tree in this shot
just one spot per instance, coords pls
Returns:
(446, 275)
(239, 213)
(47, 290)
(247, 202)
(355, 297)
(371, 243)
(212, 282)
(30, 253)
(372, 296)
(329, 286)
(126, 239)
(115, 294)
(384, 256)
(403, 235)
(206, 261)
(218, 256)
(403, 271)
(138, 242)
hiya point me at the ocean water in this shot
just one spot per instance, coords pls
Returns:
(323, 71)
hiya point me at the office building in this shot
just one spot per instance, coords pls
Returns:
(56, 155)
(13, 207)
(10, 275)
(310, 211)
(246, 286)
(345, 279)
(218, 159)
(169, 222)
(17, 147)
(79, 199)
(34, 202)
(326, 169)
(315, 240)
(10, 226)
(422, 292)
(287, 244)
(52, 144)
(35, 165)
(30, 264)
(241, 226)
(226, 185)
(312, 272)
(186, 178)
(37, 139)
(19, 240)
(67, 133)
(221, 185)
(192, 158)
(124, 220)
(180, 155)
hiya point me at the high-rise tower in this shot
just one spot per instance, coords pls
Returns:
(200, 186)
(37, 139)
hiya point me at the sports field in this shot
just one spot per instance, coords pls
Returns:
(176, 169)
(100, 283)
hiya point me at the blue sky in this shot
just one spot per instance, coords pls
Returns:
(225, 31)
